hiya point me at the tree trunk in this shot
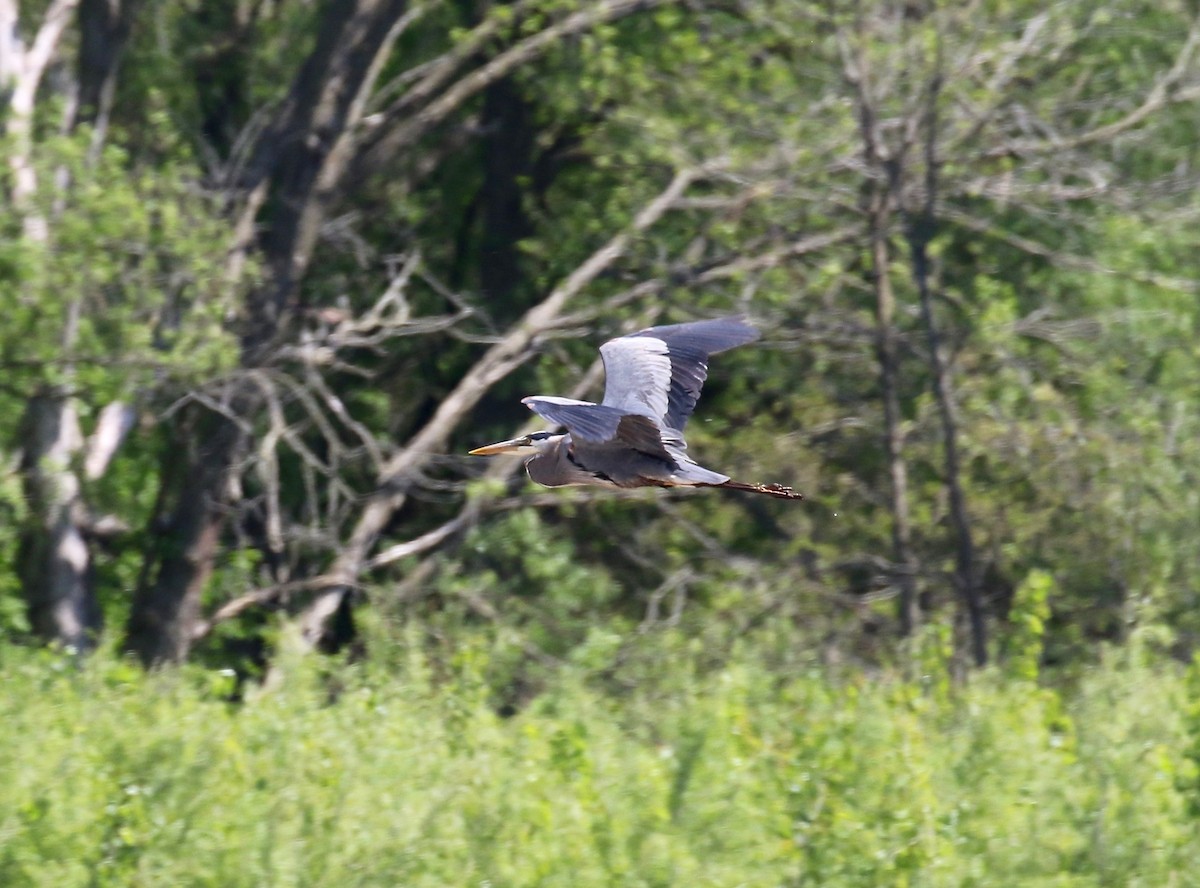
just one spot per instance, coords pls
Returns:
(966, 569)
(885, 191)
(920, 231)
(908, 608)
(508, 159)
(298, 164)
(167, 603)
(23, 68)
(54, 561)
(104, 27)
(304, 157)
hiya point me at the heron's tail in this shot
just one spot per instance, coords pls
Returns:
(776, 490)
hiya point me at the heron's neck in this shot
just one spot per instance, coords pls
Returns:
(551, 467)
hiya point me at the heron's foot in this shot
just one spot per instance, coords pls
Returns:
(779, 490)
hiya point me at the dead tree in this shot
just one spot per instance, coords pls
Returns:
(316, 152)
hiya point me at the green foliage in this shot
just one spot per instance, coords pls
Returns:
(1027, 626)
(658, 657)
(1188, 780)
(128, 284)
(1064, 291)
(371, 775)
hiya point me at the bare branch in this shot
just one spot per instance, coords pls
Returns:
(411, 125)
(684, 276)
(243, 603)
(515, 348)
(25, 68)
(431, 76)
(426, 541)
(1067, 260)
(511, 351)
(115, 421)
(1160, 95)
(1004, 73)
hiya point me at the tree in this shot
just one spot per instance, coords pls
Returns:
(298, 171)
(314, 248)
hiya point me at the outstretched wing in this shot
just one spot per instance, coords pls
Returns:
(659, 372)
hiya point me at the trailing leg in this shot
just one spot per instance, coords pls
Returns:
(776, 490)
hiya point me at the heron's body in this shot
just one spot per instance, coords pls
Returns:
(634, 437)
(560, 461)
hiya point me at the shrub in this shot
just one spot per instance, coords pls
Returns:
(370, 776)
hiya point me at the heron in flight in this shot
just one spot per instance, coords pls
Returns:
(634, 437)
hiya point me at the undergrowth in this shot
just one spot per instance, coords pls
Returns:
(402, 774)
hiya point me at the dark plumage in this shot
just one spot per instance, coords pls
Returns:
(634, 437)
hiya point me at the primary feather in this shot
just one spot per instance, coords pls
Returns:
(660, 371)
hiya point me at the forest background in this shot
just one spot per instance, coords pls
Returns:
(269, 269)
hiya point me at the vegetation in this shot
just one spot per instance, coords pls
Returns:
(270, 268)
(744, 775)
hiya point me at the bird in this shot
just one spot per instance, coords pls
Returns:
(634, 436)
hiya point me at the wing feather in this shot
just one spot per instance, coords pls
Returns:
(660, 371)
(637, 375)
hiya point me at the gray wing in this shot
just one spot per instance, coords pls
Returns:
(598, 427)
(659, 372)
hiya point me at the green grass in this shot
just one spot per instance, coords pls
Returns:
(738, 777)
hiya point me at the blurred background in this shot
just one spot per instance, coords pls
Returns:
(271, 267)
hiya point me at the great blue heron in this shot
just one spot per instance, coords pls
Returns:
(634, 437)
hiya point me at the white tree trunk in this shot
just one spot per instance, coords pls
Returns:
(55, 560)
(21, 70)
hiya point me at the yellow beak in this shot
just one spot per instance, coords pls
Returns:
(503, 447)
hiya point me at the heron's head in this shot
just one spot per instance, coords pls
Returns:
(537, 442)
